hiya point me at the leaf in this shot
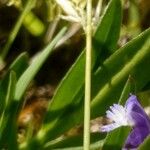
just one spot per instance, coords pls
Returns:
(18, 66)
(128, 88)
(145, 145)
(130, 59)
(70, 117)
(8, 97)
(75, 110)
(116, 138)
(63, 99)
(108, 30)
(107, 35)
(34, 67)
(26, 77)
(8, 134)
(3, 92)
(74, 79)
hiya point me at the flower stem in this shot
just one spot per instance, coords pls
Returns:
(88, 76)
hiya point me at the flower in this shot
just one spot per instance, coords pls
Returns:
(70, 9)
(132, 114)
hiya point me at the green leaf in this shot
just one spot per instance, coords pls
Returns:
(9, 96)
(34, 67)
(145, 145)
(76, 110)
(70, 117)
(69, 85)
(119, 135)
(3, 92)
(74, 79)
(130, 59)
(107, 34)
(8, 134)
(144, 98)
(28, 75)
(18, 66)
(128, 88)
(111, 76)
(108, 84)
(108, 30)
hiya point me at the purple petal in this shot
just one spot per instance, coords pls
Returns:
(141, 123)
(132, 104)
(136, 137)
(136, 113)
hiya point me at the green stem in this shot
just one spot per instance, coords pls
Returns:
(88, 76)
(16, 28)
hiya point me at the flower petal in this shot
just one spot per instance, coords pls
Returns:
(132, 104)
(133, 115)
(117, 114)
(136, 137)
(136, 113)
(109, 127)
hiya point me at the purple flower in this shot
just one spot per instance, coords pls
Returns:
(132, 114)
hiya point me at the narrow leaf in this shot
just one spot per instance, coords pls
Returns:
(8, 136)
(20, 64)
(36, 64)
(108, 30)
(128, 88)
